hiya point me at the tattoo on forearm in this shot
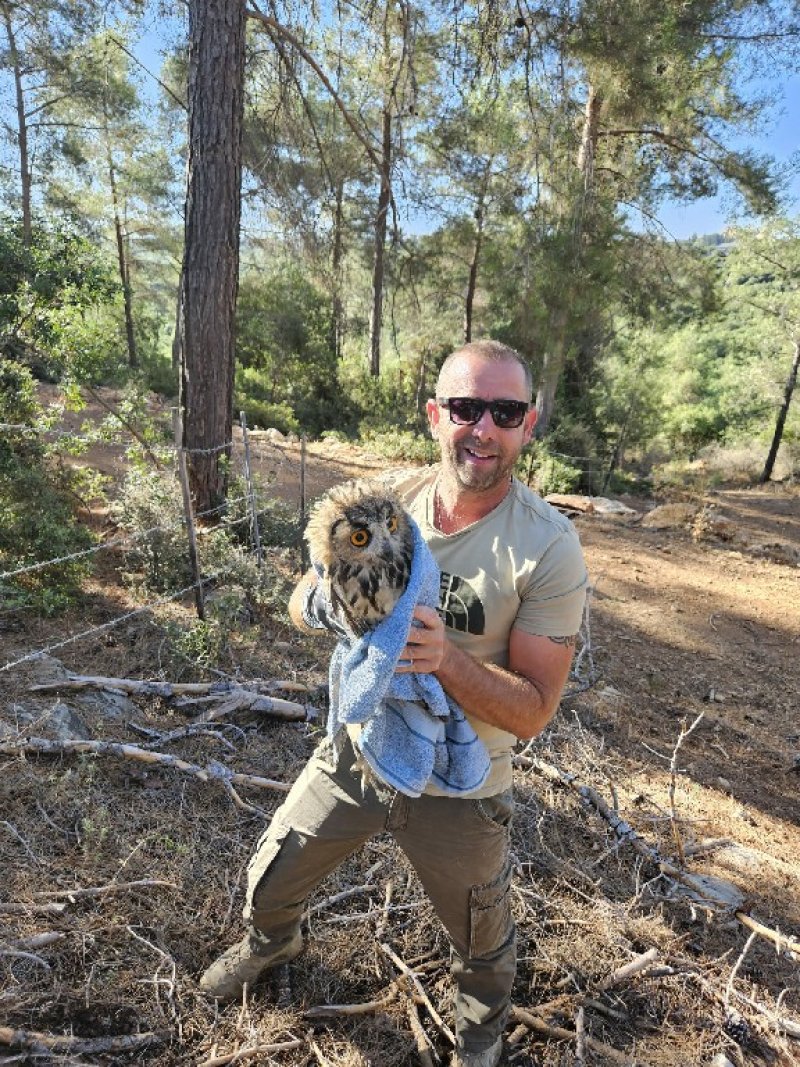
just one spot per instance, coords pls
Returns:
(570, 641)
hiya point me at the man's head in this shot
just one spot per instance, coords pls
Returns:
(480, 443)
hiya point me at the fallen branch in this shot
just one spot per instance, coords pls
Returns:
(29, 1039)
(104, 890)
(636, 966)
(114, 748)
(713, 893)
(424, 1048)
(323, 1011)
(406, 970)
(781, 941)
(559, 1033)
(236, 697)
(18, 908)
(252, 1052)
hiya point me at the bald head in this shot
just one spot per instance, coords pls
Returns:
(492, 351)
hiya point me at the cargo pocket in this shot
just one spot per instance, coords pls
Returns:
(491, 922)
(497, 810)
(263, 859)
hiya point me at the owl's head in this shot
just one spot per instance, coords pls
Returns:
(360, 521)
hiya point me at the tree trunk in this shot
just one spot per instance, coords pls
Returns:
(784, 411)
(381, 221)
(209, 279)
(122, 259)
(22, 132)
(336, 267)
(579, 223)
(472, 283)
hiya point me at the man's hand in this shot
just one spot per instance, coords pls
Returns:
(426, 645)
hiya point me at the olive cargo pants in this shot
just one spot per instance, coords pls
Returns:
(458, 847)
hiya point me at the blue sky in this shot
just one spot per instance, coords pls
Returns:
(780, 138)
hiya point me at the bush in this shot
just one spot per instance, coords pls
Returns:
(548, 473)
(401, 445)
(37, 520)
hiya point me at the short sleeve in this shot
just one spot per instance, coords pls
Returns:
(552, 601)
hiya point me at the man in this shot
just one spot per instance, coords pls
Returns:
(512, 594)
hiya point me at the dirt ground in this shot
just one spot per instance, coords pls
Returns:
(694, 625)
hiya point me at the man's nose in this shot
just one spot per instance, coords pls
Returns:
(485, 426)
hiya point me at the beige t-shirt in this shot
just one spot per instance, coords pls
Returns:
(519, 566)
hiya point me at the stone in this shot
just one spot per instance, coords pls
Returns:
(66, 725)
(670, 516)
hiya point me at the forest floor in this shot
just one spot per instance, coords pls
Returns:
(693, 622)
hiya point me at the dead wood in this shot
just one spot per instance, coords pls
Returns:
(235, 696)
(628, 970)
(425, 999)
(213, 771)
(323, 1011)
(28, 1039)
(252, 1052)
(424, 1048)
(15, 908)
(103, 890)
(714, 894)
(559, 1033)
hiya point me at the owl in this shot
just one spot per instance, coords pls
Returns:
(362, 538)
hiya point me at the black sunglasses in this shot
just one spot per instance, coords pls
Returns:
(467, 410)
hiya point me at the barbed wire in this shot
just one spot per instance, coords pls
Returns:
(116, 541)
(115, 622)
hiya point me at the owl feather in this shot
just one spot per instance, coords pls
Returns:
(360, 534)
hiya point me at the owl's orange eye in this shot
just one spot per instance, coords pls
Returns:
(392, 524)
(359, 538)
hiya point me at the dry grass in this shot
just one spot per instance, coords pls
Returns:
(126, 962)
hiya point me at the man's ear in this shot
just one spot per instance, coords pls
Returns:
(433, 413)
(530, 422)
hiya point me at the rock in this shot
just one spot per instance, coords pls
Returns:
(721, 1060)
(723, 784)
(67, 725)
(46, 669)
(670, 516)
(777, 551)
(590, 505)
(109, 704)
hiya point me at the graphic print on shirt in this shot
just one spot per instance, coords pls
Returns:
(460, 606)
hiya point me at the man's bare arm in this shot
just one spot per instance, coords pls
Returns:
(298, 598)
(521, 698)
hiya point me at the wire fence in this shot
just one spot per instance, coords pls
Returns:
(258, 461)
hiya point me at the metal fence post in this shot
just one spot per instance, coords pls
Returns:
(251, 492)
(303, 560)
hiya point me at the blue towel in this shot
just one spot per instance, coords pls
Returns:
(413, 735)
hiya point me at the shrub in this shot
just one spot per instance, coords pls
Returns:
(401, 445)
(37, 520)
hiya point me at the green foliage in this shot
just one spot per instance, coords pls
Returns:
(547, 473)
(37, 521)
(250, 396)
(55, 300)
(400, 446)
(289, 375)
(149, 509)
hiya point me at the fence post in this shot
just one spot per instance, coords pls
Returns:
(303, 560)
(188, 512)
(251, 492)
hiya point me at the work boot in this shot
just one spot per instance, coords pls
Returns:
(490, 1057)
(227, 976)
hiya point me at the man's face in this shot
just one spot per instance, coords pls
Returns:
(482, 456)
